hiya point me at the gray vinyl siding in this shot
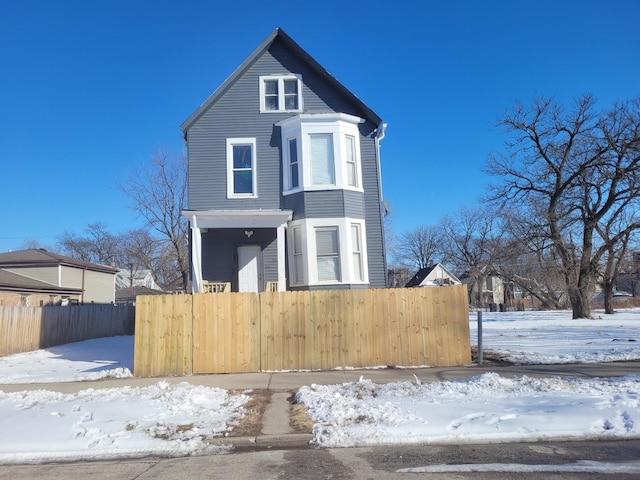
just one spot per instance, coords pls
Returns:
(219, 253)
(235, 114)
(326, 204)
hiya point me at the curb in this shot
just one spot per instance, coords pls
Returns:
(264, 442)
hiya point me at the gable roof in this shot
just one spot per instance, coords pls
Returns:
(423, 273)
(40, 257)
(279, 35)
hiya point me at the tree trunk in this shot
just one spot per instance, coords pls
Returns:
(579, 303)
(607, 291)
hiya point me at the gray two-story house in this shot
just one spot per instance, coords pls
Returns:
(284, 187)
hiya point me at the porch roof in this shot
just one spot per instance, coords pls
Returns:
(239, 218)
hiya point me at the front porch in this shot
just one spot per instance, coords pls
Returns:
(238, 250)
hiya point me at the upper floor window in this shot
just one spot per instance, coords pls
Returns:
(351, 161)
(294, 178)
(241, 168)
(280, 93)
(326, 155)
(322, 159)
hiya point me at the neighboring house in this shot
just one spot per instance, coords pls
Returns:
(37, 277)
(138, 278)
(284, 187)
(130, 284)
(489, 289)
(434, 276)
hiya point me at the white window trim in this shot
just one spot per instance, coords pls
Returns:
(309, 253)
(339, 125)
(254, 167)
(280, 79)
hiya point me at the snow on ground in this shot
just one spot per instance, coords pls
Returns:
(75, 362)
(487, 408)
(163, 419)
(554, 337)
(172, 420)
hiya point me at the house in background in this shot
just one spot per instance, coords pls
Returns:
(37, 277)
(284, 187)
(434, 276)
(131, 282)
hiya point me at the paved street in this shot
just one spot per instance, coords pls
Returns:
(357, 463)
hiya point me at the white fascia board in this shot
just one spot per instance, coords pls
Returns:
(240, 218)
(319, 117)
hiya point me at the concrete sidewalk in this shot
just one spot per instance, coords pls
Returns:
(276, 432)
(290, 381)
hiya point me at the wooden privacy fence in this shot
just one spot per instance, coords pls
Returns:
(23, 329)
(301, 330)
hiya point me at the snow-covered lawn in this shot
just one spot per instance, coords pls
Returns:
(174, 420)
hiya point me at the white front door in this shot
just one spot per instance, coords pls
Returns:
(249, 268)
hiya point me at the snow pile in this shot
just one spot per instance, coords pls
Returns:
(488, 408)
(163, 419)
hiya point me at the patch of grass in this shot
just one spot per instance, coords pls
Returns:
(299, 420)
(251, 423)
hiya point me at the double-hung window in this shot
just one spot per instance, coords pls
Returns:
(328, 254)
(294, 178)
(322, 160)
(297, 269)
(280, 93)
(241, 168)
(351, 162)
(356, 252)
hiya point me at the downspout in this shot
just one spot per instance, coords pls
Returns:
(380, 133)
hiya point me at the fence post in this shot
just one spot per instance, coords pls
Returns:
(479, 337)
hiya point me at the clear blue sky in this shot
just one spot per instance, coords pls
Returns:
(90, 89)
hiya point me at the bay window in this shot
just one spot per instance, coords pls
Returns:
(326, 154)
(327, 251)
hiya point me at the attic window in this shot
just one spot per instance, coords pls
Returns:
(280, 93)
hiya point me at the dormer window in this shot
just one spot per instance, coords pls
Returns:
(280, 93)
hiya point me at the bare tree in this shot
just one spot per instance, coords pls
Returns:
(158, 194)
(471, 242)
(575, 168)
(96, 246)
(616, 235)
(419, 248)
(528, 260)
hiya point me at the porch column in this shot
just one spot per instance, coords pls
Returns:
(282, 279)
(196, 257)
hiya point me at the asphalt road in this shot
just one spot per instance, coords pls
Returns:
(543, 460)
